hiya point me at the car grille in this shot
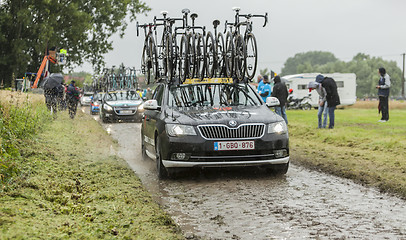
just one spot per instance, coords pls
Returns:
(243, 131)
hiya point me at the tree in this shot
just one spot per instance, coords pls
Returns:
(83, 27)
(302, 61)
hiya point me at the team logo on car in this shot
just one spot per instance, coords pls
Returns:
(232, 123)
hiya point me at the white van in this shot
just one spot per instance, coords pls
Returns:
(346, 86)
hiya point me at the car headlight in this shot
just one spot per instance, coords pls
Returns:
(177, 130)
(107, 107)
(141, 107)
(278, 127)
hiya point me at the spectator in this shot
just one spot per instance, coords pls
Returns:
(280, 91)
(383, 94)
(266, 89)
(331, 96)
(260, 83)
(72, 96)
(322, 109)
(149, 94)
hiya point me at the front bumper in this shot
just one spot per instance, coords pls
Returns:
(201, 153)
(170, 163)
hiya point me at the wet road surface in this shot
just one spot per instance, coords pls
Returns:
(251, 204)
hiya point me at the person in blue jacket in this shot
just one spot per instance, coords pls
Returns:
(260, 83)
(266, 89)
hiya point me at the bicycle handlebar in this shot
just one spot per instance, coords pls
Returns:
(248, 16)
(147, 25)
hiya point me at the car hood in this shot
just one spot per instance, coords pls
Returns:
(123, 103)
(222, 115)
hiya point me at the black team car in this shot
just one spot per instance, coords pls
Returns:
(123, 105)
(213, 125)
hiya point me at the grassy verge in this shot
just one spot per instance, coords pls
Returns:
(71, 185)
(358, 148)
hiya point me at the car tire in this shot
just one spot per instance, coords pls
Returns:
(280, 169)
(307, 107)
(103, 118)
(162, 173)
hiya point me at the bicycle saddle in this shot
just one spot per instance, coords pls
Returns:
(186, 10)
(216, 23)
(164, 13)
(194, 15)
(237, 9)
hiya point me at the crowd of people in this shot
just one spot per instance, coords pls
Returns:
(329, 99)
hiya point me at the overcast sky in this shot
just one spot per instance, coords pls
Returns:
(342, 27)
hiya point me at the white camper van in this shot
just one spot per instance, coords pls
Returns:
(346, 86)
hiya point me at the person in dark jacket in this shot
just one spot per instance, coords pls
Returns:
(333, 100)
(383, 94)
(72, 96)
(280, 91)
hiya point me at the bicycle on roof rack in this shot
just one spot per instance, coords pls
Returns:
(149, 60)
(166, 49)
(241, 50)
(189, 52)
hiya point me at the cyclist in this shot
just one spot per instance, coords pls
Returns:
(72, 95)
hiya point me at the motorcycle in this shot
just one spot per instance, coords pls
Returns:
(299, 103)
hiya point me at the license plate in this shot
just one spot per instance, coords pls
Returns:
(234, 145)
(126, 111)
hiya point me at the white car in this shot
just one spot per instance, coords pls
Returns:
(86, 98)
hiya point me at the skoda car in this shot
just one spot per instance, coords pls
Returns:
(123, 105)
(213, 125)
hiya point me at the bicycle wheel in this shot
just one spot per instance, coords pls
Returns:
(154, 59)
(220, 53)
(145, 64)
(175, 56)
(252, 59)
(240, 56)
(229, 56)
(200, 57)
(191, 52)
(168, 59)
(210, 55)
(183, 59)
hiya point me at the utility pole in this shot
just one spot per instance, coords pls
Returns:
(403, 77)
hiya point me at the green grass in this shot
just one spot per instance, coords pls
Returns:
(72, 186)
(358, 147)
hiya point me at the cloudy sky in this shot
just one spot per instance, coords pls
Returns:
(343, 27)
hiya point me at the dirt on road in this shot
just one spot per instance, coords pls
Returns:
(251, 204)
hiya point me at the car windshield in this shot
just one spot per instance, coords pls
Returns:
(213, 95)
(125, 95)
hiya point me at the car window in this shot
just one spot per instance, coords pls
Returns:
(158, 94)
(213, 95)
(122, 95)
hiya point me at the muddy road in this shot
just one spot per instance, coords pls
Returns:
(251, 204)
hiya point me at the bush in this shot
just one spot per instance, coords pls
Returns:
(21, 117)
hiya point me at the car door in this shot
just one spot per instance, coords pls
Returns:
(151, 118)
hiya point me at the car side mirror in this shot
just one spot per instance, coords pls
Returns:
(151, 105)
(272, 102)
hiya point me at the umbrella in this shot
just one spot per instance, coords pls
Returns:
(53, 81)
